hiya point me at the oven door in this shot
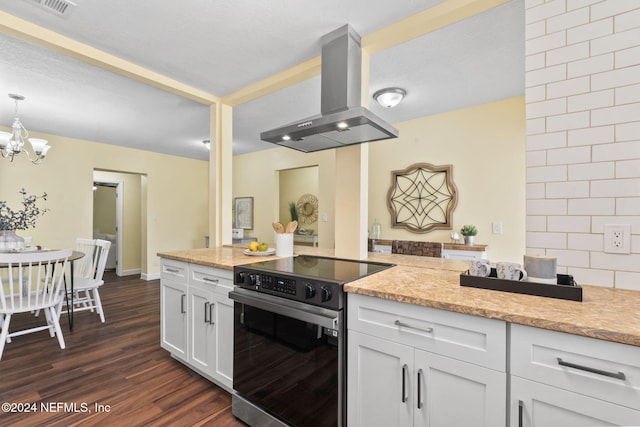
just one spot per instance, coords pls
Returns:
(288, 359)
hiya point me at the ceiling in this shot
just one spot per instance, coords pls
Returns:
(223, 46)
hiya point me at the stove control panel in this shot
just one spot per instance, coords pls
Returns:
(316, 292)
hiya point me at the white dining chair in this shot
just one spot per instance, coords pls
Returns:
(31, 281)
(88, 277)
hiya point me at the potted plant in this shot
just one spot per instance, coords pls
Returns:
(469, 232)
(293, 211)
(21, 219)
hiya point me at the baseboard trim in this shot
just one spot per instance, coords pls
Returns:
(131, 272)
(154, 276)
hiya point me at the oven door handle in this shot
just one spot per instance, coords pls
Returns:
(297, 310)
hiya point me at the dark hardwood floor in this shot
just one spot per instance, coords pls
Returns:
(114, 373)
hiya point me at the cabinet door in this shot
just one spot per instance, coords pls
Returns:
(173, 318)
(380, 385)
(201, 329)
(538, 405)
(223, 318)
(450, 392)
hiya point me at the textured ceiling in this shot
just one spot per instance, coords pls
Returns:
(222, 46)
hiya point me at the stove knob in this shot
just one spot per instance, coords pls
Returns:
(252, 279)
(240, 277)
(309, 291)
(325, 294)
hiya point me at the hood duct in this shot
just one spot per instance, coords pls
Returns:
(343, 121)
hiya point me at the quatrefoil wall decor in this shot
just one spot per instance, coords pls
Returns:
(422, 198)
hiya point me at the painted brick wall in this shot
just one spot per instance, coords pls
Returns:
(583, 135)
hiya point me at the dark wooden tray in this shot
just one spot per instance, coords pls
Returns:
(566, 288)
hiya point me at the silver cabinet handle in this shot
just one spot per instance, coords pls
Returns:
(210, 280)
(420, 375)
(406, 325)
(172, 270)
(405, 396)
(182, 304)
(617, 375)
(520, 412)
(211, 322)
(207, 311)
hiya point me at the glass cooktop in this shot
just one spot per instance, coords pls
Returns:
(331, 269)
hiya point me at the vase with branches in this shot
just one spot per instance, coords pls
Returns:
(19, 219)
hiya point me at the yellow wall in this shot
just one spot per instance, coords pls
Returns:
(104, 210)
(256, 175)
(293, 184)
(176, 192)
(485, 144)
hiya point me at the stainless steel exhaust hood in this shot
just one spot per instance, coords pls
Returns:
(343, 121)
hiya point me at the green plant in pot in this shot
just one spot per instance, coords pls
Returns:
(469, 232)
(293, 211)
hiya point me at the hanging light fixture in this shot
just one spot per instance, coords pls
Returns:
(14, 143)
(389, 97)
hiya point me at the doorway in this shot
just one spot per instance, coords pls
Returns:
(107, 220)
(117, 217)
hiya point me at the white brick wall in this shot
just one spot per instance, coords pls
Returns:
(583, 134)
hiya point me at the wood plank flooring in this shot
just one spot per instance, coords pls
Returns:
(114, 373)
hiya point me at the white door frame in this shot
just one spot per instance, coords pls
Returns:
(119, 215)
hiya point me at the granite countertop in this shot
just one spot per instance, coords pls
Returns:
(605, 313)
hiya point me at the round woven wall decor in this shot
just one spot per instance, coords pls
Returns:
(307, 207)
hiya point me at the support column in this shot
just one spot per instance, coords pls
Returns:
(220, 175)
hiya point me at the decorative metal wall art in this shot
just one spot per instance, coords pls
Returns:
(422, 197)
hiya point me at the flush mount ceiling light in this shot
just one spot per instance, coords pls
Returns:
(14, 143)
(389, 97)
(207, 143)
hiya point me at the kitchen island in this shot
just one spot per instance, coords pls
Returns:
(605, 313)
(420, 345)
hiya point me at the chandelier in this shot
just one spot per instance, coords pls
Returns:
(12, 143)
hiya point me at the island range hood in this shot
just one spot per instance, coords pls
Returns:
(343, 121)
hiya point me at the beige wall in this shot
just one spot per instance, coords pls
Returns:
(293, 184)
(256, 175)
(176, 193)
(485, 144)
(104, 210)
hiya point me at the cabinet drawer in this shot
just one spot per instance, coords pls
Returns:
(174, 270)
(472, 339)
(592, 367)
(215, 279)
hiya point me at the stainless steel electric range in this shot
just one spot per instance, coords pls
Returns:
(289, 340)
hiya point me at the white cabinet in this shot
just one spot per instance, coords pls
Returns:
(539, 405)
(417, 366)
(375, 392)
(205, 339)
(572, 380)
(173, 308)
(462, 254)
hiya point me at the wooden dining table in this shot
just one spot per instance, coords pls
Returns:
(75, 255)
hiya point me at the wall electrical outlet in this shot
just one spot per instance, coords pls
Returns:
(617, 238)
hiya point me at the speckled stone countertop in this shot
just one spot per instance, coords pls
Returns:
(604, 313)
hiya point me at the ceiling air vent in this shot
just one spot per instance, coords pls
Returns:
(59, 7)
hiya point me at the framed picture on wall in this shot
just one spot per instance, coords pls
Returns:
(243, 212)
